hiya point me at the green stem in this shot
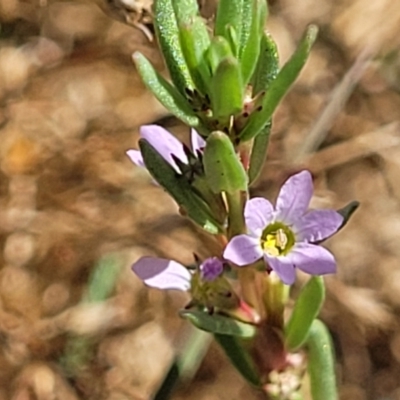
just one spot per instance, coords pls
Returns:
(275, 297)
(321, 365)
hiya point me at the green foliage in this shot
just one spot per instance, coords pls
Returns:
(195, 41)
(224, 172)
(279, 86)
(236, 352)
(347, 211)
(167, 94)
(218, 324)
(305, 310)
(250, 45)
(166, 26)
(229, 15)
(227, 89)
(321, 364)
(179, 188)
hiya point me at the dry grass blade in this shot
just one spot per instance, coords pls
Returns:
(335, 105)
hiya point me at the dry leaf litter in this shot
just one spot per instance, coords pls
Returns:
(72, 103)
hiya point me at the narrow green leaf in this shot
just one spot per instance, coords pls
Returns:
(321, 363)
(80, 349)
(347, 211)
(259, 153)
(186, 364)
(219, 50)
(305, 311)
(104, 276)
(166, 94)
(239, 357)
(227, 89)
(250, 51)
(218, 324)
(279, 86)
(179, 188)
(185, 10)
(266, 71)
(245, 25)
(167, 32)
(224, 172)
(232, 38)
(195, 42)
(229, 14)
(267, 66)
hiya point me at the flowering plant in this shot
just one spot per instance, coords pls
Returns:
(226, 87)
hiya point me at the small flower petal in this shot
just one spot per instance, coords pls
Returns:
(136, 157)
(165, 143)
(162, 274)
(258, 213)
(312, 259)
(317, 225)
(211, 269)
(283, 267)
(294, 197)
(243, 250)
(198, 143)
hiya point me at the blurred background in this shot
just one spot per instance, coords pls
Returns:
(75, 213)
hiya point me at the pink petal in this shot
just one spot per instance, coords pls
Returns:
(136, 157)
(198, 143)
(258, 213)
(283, 267)
(162, 274)
(165, 143)
(294, 197)
(312, 259)
(317, 225)
(243, 250)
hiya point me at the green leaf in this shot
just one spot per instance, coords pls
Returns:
(104, 276)
(321, 364)
(239, 357)
(227, 89)
(195, 42)
(179, 188)
(167, 32)
(219, 50)
(166, 94)
(218, 324)
(185, 10)
(279, 86)
(229, 15)
(232, 38)
(187, 363)
(250, 50)
(266, 71)
(305, 311)
(224, 172)
(259, 153)
(347, 211)
(267, 66)
(79, 350)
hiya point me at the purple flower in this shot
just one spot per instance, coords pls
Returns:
(161, 273)
(167, 145)
(284, 235)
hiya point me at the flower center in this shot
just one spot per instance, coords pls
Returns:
(277, 239)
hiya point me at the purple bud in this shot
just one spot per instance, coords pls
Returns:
(211, 269)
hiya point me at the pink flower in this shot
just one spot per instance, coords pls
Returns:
(167, 145)
(161, 273)
(284, 236)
